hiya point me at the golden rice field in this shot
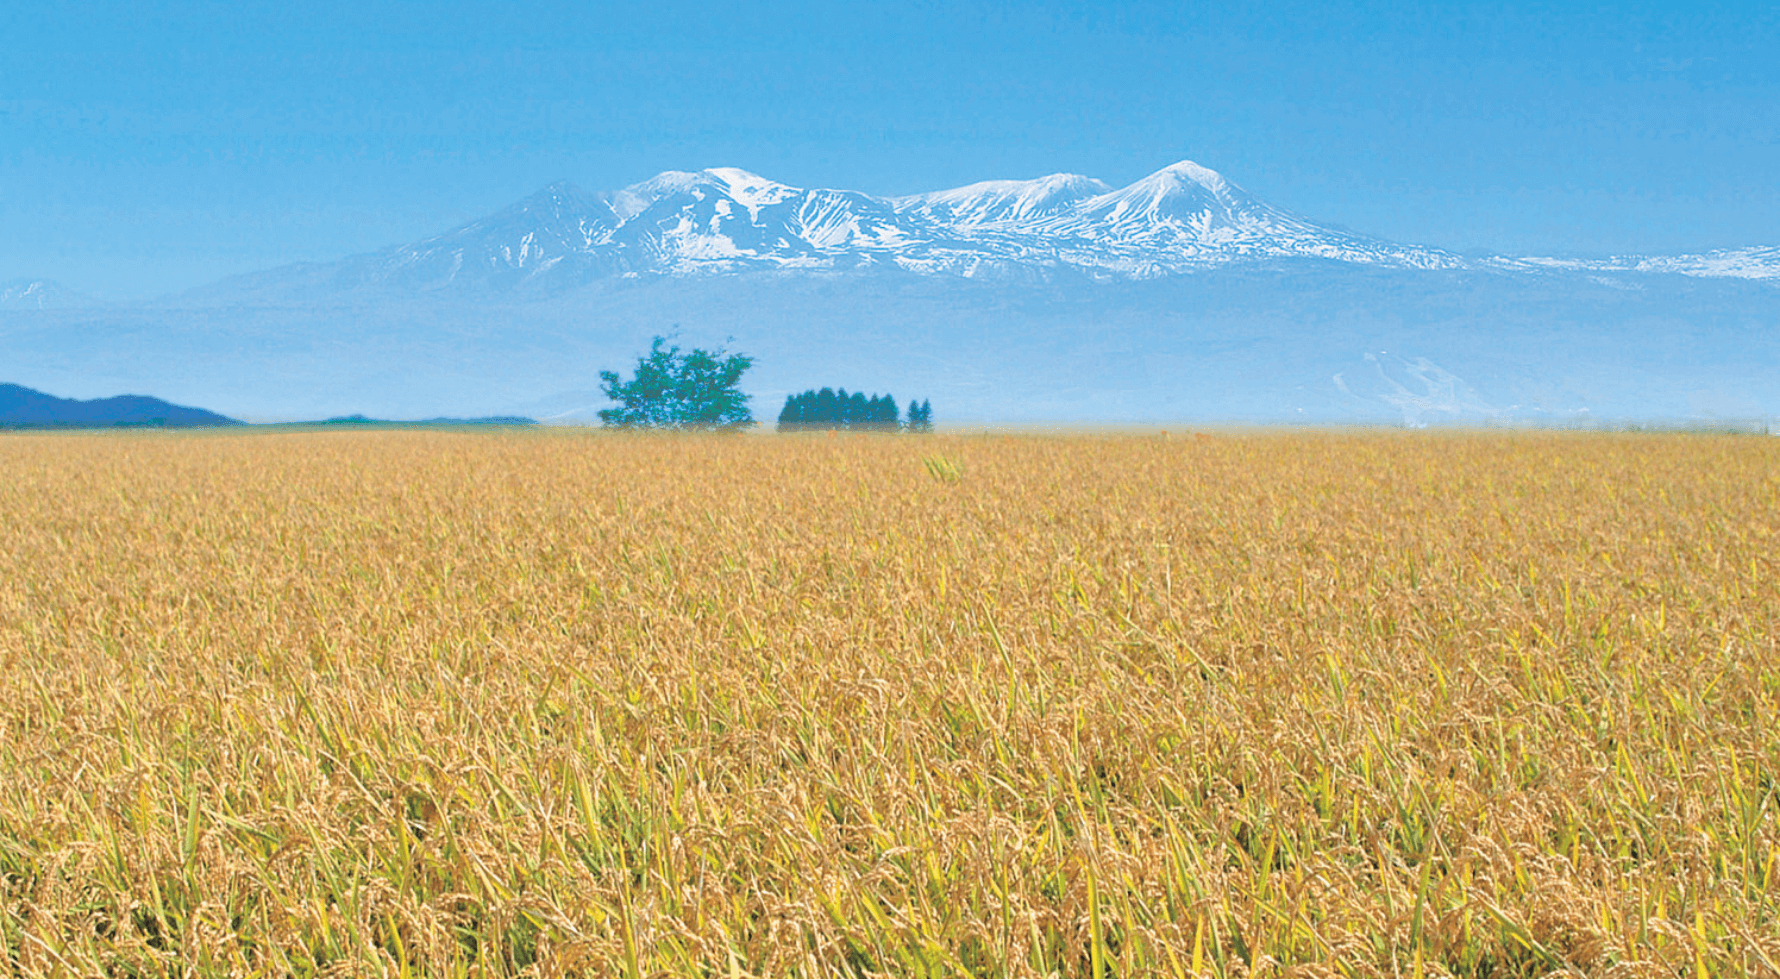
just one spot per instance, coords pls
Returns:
(1270, 703)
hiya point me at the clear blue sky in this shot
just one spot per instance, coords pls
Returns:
(151, 146)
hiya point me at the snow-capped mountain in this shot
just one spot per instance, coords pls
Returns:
(1181, 218)
(556, 225)
(1189, 215)
(727, 220)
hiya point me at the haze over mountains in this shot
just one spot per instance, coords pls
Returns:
(1058, 299)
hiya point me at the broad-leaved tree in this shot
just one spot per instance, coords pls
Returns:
(671, 390)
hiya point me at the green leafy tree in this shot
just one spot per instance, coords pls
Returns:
(694, 390)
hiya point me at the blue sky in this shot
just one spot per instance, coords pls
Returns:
(146, 147)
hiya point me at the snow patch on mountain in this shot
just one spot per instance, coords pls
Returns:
(996, 202)
(1756, 262)
(36, 294)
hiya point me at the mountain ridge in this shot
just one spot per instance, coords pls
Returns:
(1181, 219)
(725, 220)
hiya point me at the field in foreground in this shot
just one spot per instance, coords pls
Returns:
(534, 702)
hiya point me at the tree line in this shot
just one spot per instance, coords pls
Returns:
(701, 390)
(831, 409)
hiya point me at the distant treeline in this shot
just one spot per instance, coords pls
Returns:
(830, 409)
(417, 423)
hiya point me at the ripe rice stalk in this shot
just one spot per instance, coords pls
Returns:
(560, 702)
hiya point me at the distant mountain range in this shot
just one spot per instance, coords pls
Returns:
(1182, 218)
(23, 408)
(1058, 299)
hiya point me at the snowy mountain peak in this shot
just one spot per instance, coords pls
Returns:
(1188, 171)
(1183, 191)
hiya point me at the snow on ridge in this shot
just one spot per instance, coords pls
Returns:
(635, 199)
(1753, 262)
(751, 191)
(995, 201)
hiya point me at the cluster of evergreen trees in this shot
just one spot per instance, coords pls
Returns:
(830, 409)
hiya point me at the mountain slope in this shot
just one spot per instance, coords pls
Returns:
(994, 202)
(1185, 215)
(1757, 262)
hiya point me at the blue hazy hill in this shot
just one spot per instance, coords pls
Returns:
(24, 408)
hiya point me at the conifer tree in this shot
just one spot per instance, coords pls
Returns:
(831, 409)
(920, 416)
(883, 413)
(827, 411)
